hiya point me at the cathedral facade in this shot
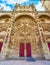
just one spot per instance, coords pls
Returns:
(24, 32)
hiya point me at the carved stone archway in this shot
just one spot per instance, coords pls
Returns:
(24, 31)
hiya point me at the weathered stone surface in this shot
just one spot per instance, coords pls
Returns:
(24, 26)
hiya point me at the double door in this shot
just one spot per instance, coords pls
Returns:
(22, 48)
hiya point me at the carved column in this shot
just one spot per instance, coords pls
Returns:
(6, 42)
(43, 41)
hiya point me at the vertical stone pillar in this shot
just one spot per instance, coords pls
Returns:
(43, 41)
(6, 42)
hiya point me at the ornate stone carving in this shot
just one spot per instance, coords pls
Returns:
(26, 27)
(18, 7)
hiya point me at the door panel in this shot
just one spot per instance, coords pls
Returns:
(21, 52)
(49, 45)
(1, 46)
(28, 49)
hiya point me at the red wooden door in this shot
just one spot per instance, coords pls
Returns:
(49, 45)
(28, 49)
(1, 46)
(21, 52)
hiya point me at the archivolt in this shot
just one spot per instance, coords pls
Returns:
(44, 16)
(24, 15)
(5, 16)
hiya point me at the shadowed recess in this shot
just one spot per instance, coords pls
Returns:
(4, 16)
(45, 16)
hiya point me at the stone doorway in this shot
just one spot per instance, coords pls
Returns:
(25, 30)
